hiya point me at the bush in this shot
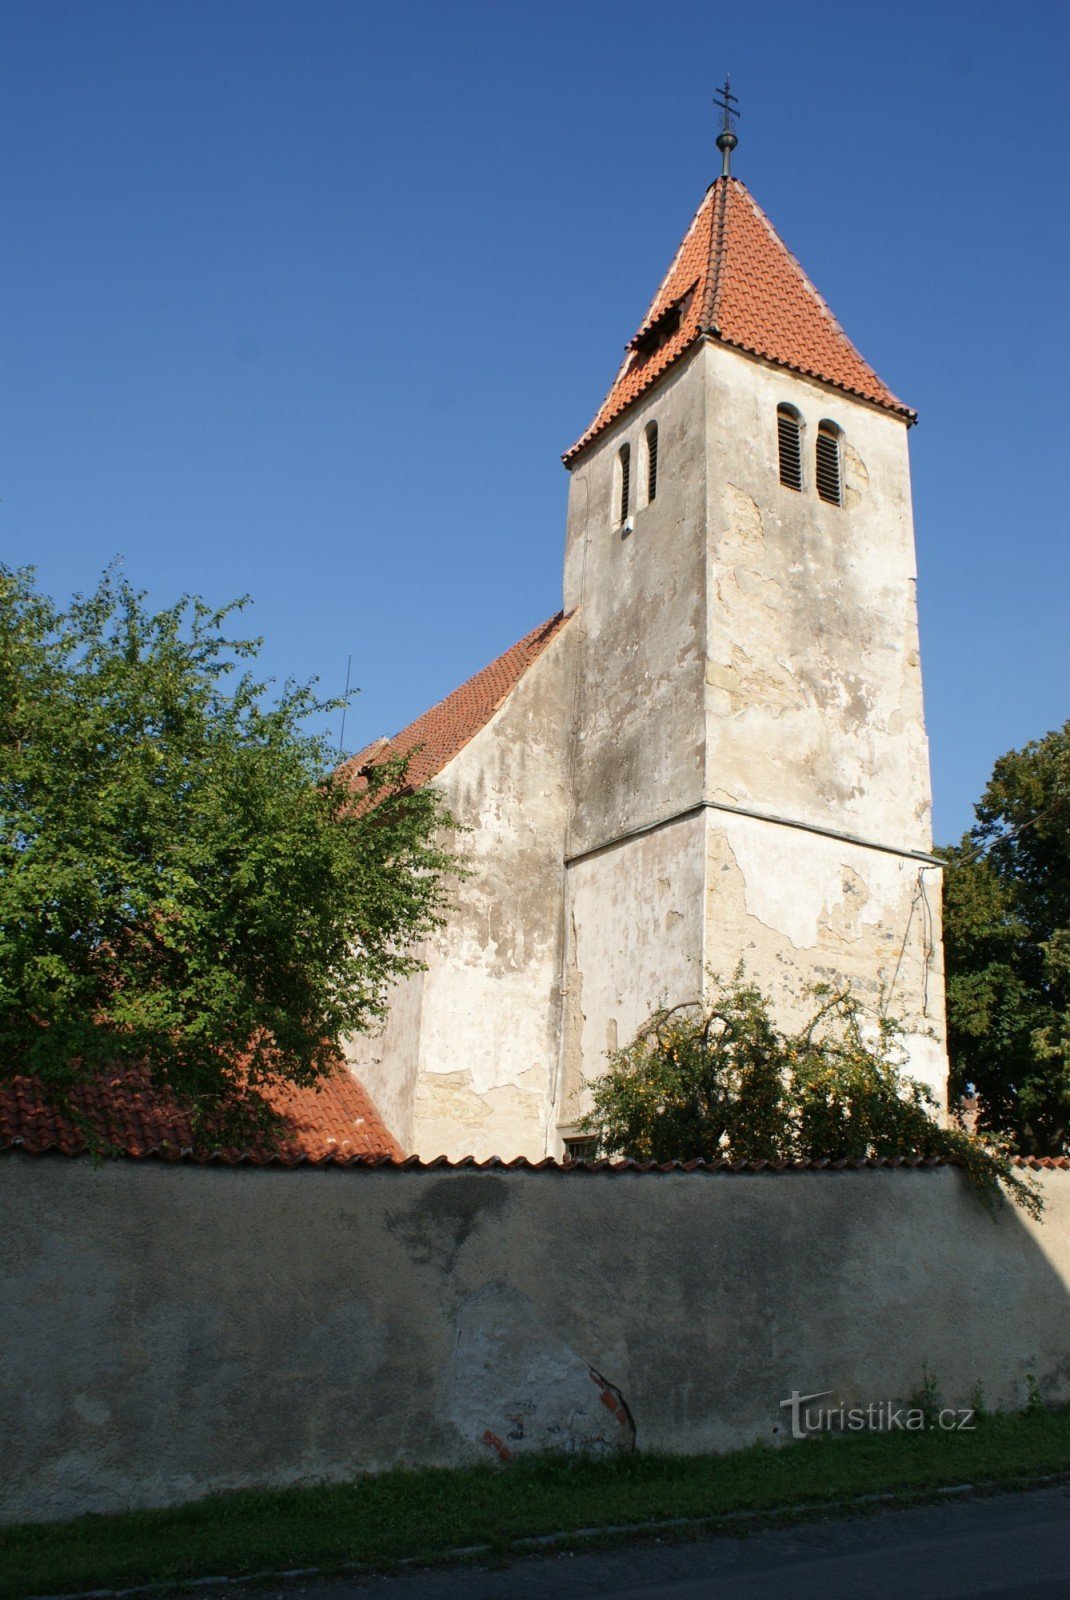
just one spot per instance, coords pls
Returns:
(722, 1081)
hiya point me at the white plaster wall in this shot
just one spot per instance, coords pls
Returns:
(634, 944)
(744, 645)
(800, 909)
(814, 704)
(387, 1060)
(489, 1000)
(172, 1331)
(814, 708)
(638, 702)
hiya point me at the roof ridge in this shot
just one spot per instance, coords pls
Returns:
(432, 739)
(715, 265)
(667, 276)
(528, 639)
(753, 295)
(384, 740)
(650, 316)
(822, 304)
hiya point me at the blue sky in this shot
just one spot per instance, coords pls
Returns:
(305, 297)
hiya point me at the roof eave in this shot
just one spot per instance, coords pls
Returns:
(593, 433)
(892, 406)
(712, 335)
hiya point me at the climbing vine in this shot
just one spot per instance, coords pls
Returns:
(722, 1080)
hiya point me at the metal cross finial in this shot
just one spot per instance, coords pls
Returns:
(728, 104)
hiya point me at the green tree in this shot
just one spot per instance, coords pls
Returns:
(1007, 949)
(721, 1080)
(186, 884)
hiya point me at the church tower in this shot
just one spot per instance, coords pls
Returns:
(714, 753)
(748, 767)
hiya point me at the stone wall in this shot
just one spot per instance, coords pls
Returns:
(172, 1330)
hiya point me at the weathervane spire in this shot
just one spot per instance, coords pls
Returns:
(728, 104)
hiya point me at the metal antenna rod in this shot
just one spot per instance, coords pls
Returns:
(345, 705)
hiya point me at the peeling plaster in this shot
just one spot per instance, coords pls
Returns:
(173, 1330)
(747, 643)
(516, 1388)
(835, 913)
(855, 476)
(743, 532)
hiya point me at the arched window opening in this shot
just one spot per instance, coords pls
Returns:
(789, 444)
(624, 481)
(829, 485)
(651, 462)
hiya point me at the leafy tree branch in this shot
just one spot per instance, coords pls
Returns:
(1007, 949)
(187, 885)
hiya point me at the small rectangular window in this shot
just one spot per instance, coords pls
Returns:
(652, 462)
(581, 1148)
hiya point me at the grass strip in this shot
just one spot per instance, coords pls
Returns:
(426, 1514)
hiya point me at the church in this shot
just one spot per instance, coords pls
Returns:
(714, 752)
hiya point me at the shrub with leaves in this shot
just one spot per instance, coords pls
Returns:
(186, 883)
(722, 1081)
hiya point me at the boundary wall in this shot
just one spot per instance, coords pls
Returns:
(170, 1330)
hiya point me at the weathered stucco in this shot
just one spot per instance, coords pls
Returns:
(813, 700)
(831, 913)
(169, 1331)
(807, 714)
(634, 944)
(814, 711)
(722, 758)
(638, 737)
(463, 1065)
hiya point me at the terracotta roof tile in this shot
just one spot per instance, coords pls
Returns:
(734, 280)
(18, 1132)
(437, 736)
(334, 1123)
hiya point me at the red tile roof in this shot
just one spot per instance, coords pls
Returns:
(436, 737)
(339, 1125)
(334, 1123)
(734, 280)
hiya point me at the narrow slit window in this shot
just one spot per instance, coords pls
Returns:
(625, 460)
(789, 443)
(829, 485)
(651, 462)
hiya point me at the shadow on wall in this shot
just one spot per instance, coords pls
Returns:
(173, 1330)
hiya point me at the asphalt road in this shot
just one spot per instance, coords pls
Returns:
(1004, 1547)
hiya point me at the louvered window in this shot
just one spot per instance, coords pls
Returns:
(828, 464)
(789, 441)
(651, 462)
(625, 459)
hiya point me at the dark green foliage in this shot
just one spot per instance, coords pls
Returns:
(1007, 949)
(722, 1081)
(184, 883)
